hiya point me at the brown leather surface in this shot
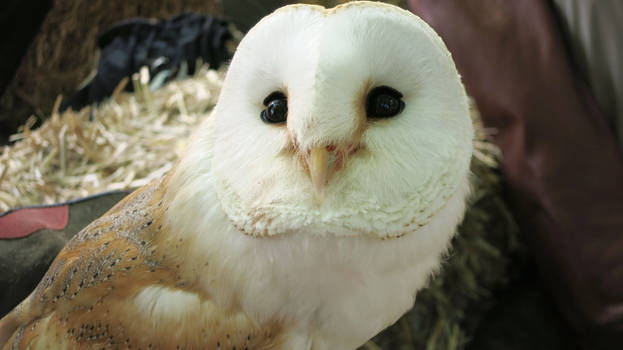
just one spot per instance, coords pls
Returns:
(561, 160)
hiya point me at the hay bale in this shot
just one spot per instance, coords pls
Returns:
(123, 144)
(64, 53)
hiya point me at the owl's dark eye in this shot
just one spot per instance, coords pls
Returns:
(384, 102)
(276, 110)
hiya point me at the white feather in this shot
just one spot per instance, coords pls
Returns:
(332, 269)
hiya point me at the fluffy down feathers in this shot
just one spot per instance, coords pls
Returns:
(235, 248)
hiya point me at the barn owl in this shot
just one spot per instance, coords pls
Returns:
(310, 208)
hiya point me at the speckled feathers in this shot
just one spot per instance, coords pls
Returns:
(91, 296)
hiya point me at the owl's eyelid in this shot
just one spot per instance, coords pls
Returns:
(274, 96)
(386, 89)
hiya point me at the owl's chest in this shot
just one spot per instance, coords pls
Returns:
(325, 291)
(329, 293)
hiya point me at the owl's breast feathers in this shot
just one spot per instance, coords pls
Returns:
(118, 284)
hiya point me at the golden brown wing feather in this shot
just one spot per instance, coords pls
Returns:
(86, 299)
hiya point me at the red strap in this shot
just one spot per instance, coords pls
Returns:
(23, 222)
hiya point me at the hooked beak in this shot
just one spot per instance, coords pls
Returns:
(318, 163)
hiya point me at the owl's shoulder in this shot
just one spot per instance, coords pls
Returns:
(118, 283)
(108, 260)
(113, 251)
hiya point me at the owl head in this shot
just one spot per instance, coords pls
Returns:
(349, 121)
